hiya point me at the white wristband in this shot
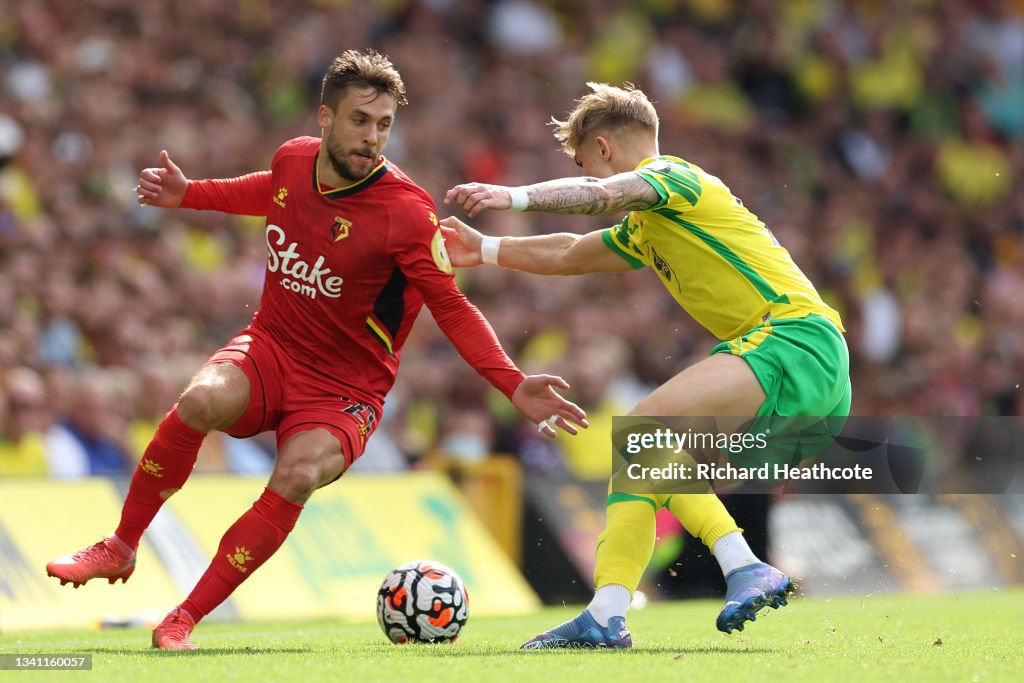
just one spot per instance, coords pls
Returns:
(489, 249)
(520, 198)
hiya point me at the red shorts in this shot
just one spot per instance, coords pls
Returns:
(290, 397)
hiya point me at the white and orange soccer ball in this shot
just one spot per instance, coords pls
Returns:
(422, 601)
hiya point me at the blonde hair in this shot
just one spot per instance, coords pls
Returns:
(605, 108)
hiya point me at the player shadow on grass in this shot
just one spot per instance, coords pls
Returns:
(736, 649)
(446, 651)
(640, 650)
(203, 651)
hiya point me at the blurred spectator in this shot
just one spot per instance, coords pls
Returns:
(467, 436)
(92, 438)
(975, 166)
(523, 27)
(60, 340)
(23, 418)
(602, 381)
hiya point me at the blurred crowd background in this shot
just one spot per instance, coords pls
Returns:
(882, 142)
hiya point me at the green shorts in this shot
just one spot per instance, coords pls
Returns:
(803, 366)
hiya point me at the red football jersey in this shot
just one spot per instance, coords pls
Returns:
(348, 270)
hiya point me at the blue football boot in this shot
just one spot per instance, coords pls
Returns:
(748, 590)
(583, 632)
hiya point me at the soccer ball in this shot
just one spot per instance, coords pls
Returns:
(422, 601)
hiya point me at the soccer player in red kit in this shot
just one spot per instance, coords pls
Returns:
(354, 251)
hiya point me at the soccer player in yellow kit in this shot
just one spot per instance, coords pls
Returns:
(782, 350)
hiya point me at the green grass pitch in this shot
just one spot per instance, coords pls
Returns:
(975, 636)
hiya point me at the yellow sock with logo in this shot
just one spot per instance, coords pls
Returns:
(626, 545)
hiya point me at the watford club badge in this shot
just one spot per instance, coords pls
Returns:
(339, 230)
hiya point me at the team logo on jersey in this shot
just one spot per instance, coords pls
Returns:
(339, 230)
(433, 218)
(281, 195)
(661, 265)
(439, 253)
(298, 274)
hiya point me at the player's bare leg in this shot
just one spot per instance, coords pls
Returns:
(751, 585)
(720, 385)
(216, 398)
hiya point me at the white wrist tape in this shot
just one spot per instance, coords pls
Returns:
(520, 198)
(489, 249)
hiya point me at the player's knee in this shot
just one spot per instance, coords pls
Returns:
(305, 464)
(297, 480)
(205, 407)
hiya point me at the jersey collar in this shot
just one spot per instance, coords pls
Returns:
(376, 174)
(659, 157)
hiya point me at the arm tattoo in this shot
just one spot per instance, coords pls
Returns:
(592, 196)
(633, 192)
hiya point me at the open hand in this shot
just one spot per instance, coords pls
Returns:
(536, 398)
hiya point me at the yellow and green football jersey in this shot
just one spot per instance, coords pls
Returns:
(722, 264)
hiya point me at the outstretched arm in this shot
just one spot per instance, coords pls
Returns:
(418, 250)
(535, 396)
(167, 187)
(588, 196)
(556, 254)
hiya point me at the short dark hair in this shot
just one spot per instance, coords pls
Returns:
(368, 68)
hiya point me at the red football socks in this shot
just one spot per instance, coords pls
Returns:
(164, 467)
(244, 548)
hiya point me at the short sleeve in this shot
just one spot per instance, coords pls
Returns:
(617, 239)
(672, 179)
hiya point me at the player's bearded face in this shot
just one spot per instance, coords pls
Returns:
(358, 131)
(342, 167)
